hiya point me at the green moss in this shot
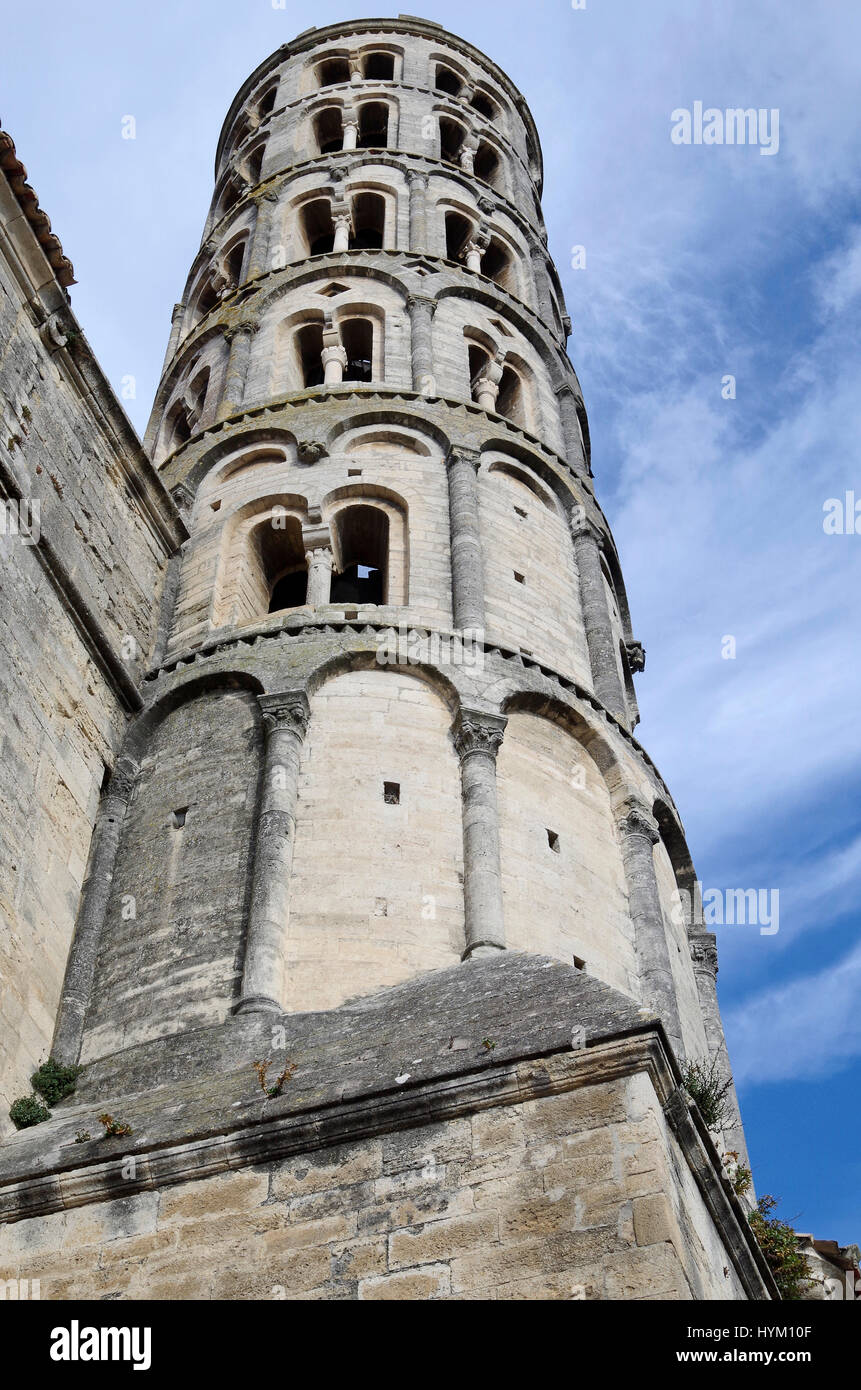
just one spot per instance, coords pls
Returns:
(53, 1081)
(28, 1111)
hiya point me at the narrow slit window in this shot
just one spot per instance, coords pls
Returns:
(392, 793)
(521, 578)
(179, 817)
(553, 841)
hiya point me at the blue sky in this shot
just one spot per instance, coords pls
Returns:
(701, 261)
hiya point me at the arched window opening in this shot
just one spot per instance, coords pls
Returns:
(483, 105)
(373, 126)
(233, 264)
(458, 231)
(282, 558)
(206, 300)
(309, 348)
(362, 539)
(479, 361)
(329, 130)
(179, 428)
(357, 338)
(333, 71)
(369, 221)
(230, 197)
(317, 226)
(197, 392)
(486, 166)
(379, 67)
(509, 402)
(497, 265)
(254, 164)
(447, 81)
(266, 104)
(451, 137)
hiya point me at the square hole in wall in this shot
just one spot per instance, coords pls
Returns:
(354, 472)
(579, 963)
(553, 841)
(392, 793)
(521, 578)
(179, 817)
(520, 511)
(351, 614)
(216, 504)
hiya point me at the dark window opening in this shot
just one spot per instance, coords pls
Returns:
(329, 130)
(451, 137)
(521, 578)
(180, 431)
(179, 817)
(392, 793)
(479, 360)
(267, 103)
(290, 591)
(254, 164)
(369, 220)
(509, 402)
(447, 81)
(458, 231)
(496, 264)
(333, 71)
(579, 962)
(357, 339)
(229, 198)
(483, 105)
(379, 67)
(553, 841)
(373, 126)
(363, 545)
(309, 348)
(318, 228)
(486, 165)
(233, 264)
(206, 300)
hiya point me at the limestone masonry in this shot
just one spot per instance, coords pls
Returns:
(319, 750)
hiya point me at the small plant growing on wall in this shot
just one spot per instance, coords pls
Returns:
(702, 1082)
(779, 1244)
(739, 1174)
(275, 1090)
(113, 1126)
(53, 1081)
(28, 1111)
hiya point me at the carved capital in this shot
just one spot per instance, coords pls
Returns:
(123, 779)
(289, 710)
(636, 820)
(582, 528)
(636, 654)
(417, 179)
(422, 302)
(182, 497)
(460, 454)
(703, 948)
(238, 330)
(486, 205)
(320, 557)
(477, 732)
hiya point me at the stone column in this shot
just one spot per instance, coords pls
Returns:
(477, 737)
(418, 211)
(95, 894)
(487, 385)
(259, 262)
(351, 131)
(638, 833)
(342, 219)
(334, 356)
(422, 309)
(320, 564)
(466, 157)
(467, 558)
(233, 390)
(600, 637)
(543, 305)
(355, 72)
(285, 719)
(473, 252)
(703, 948)
(575, 452)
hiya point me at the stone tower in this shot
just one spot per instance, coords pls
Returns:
(382, 818)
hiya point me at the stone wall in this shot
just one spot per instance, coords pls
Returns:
(79, 607)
